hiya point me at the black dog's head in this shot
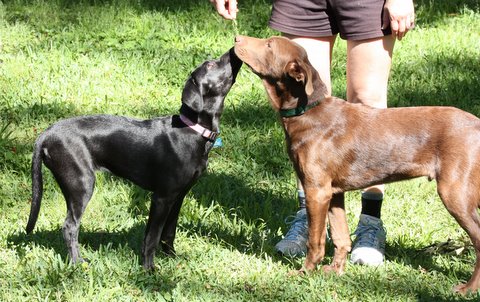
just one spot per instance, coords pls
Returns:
(208, 85)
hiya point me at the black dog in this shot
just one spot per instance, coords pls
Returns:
(165, 155)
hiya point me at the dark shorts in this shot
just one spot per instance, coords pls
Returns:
(353, 19)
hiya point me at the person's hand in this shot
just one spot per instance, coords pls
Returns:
(226, 8)
(400, 15)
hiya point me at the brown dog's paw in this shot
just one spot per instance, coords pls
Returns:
(464, 289)
(299, 272)
(329, 269)
(337, 266)
(333, 268)
(295, 273)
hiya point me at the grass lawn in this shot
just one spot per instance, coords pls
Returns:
(62, 58)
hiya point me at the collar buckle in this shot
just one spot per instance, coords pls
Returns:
(206, 133)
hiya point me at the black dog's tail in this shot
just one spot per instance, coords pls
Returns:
(37, 185)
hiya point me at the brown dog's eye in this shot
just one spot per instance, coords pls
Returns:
(269, 44)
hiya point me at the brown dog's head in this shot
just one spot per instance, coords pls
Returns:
(282, 65)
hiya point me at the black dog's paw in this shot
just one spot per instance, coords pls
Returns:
(80, 261)
(168, 251)
(148, 264)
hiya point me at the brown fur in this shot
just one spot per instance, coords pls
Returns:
(338, 146)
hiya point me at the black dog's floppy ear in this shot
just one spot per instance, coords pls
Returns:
(301, 73)
(192, 96)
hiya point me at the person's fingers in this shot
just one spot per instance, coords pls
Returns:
(394, 28)
(410, 22)
(401, 29)
(232, 8)
(221, 7)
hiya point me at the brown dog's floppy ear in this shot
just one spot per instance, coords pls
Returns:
(301, 73)
(192, 96)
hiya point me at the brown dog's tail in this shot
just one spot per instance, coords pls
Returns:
(37, 185)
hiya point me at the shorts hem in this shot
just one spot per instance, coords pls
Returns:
(366, 36)
(328, 33)
(300, 32)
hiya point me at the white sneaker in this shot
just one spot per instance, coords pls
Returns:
(369, 244)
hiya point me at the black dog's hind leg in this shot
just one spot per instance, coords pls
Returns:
(159, 209)
(77, 191)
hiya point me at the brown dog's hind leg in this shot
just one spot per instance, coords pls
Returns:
(471, 224)
(339, 233)
(465, 212)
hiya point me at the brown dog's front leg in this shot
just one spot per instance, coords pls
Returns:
(339, 233)
(317, 201)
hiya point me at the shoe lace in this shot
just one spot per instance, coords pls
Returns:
(366, 235)
(298, 227)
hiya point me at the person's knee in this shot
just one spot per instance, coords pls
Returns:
(370, 97)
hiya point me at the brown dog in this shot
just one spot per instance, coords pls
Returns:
(338, 146)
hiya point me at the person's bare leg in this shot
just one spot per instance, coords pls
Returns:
(319, 52)
(368, 70)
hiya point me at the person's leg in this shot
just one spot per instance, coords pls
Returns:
(319, 52)
(368, 69)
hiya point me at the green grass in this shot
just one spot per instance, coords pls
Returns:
(62, 58)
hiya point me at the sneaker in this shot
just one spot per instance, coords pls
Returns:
(294, 244)
(369, 244)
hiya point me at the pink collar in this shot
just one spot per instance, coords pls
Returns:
(208, 134)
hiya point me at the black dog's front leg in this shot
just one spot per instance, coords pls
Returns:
(170, 227)
(159, 209)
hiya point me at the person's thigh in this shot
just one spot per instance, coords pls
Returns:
(319, 51)
(368, 70)
(359, 19)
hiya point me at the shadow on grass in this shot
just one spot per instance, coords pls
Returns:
(170, 6)
(431, 12)
(368, 282)
(380, 285)
(423, 258)
(250, 205)
(53, 239)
